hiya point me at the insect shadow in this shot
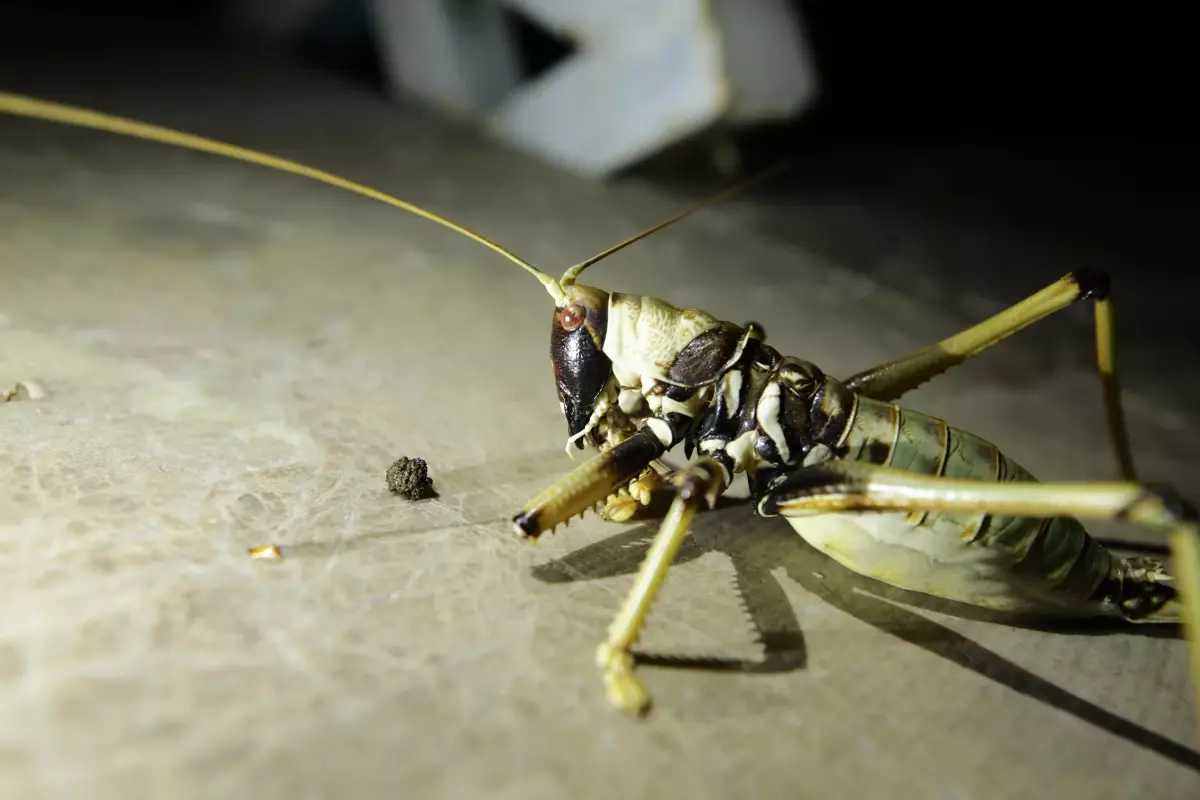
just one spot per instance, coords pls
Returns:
(756, 546)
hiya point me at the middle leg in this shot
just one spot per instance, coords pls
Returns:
(696, 485)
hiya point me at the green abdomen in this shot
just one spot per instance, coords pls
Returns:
(1056, 556)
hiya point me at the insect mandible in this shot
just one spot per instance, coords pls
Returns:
(888, 492)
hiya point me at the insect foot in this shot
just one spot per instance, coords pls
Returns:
(695, 486)
(623, 688)
(620, 507)
(623, 505)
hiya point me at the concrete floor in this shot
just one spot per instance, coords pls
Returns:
(235, 356)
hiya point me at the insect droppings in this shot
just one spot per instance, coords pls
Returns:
(409, 478)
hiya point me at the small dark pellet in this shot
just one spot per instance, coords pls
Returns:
(409, 478)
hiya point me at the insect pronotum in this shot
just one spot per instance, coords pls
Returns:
(886, 491)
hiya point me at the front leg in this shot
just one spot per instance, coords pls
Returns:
(697, 485)
(673, 419)
(588, 484)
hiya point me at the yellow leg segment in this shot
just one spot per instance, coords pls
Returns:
(891, 380)
(1185, 560)
(698, 484)
(588, 484)
(1106, 358)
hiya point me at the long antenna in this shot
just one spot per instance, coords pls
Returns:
(571, 274)
(55, 112)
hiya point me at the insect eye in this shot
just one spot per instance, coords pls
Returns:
(572, 317)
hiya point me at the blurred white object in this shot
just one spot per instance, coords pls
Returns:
(457, 55)
(646, 74)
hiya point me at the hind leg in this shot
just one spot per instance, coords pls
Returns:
(891, 380)
(839, 487)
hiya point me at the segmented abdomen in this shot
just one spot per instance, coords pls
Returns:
(1055, 555)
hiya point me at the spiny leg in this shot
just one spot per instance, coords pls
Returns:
(891, 380)
(588, 485)
(696, 485)
(855, 487)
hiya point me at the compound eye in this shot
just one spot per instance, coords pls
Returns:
(572, 317)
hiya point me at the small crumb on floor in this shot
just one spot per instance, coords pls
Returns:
(409, 478)
(270, 552)
(24, 390)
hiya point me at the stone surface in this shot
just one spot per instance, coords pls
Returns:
(233, 357)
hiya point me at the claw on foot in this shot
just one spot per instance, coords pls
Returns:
(624, 690)
(645, 486)
(619, 507)
(623, 505)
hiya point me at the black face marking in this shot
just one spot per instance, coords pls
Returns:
(580, 367)
(580, 371)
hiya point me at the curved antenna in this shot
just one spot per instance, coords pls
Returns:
(571, 274)
(83, 118)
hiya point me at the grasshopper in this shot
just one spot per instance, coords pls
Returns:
(886, 491)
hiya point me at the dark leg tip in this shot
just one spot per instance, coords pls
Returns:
(701, 481)
(1092, 283)
(527, 525)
